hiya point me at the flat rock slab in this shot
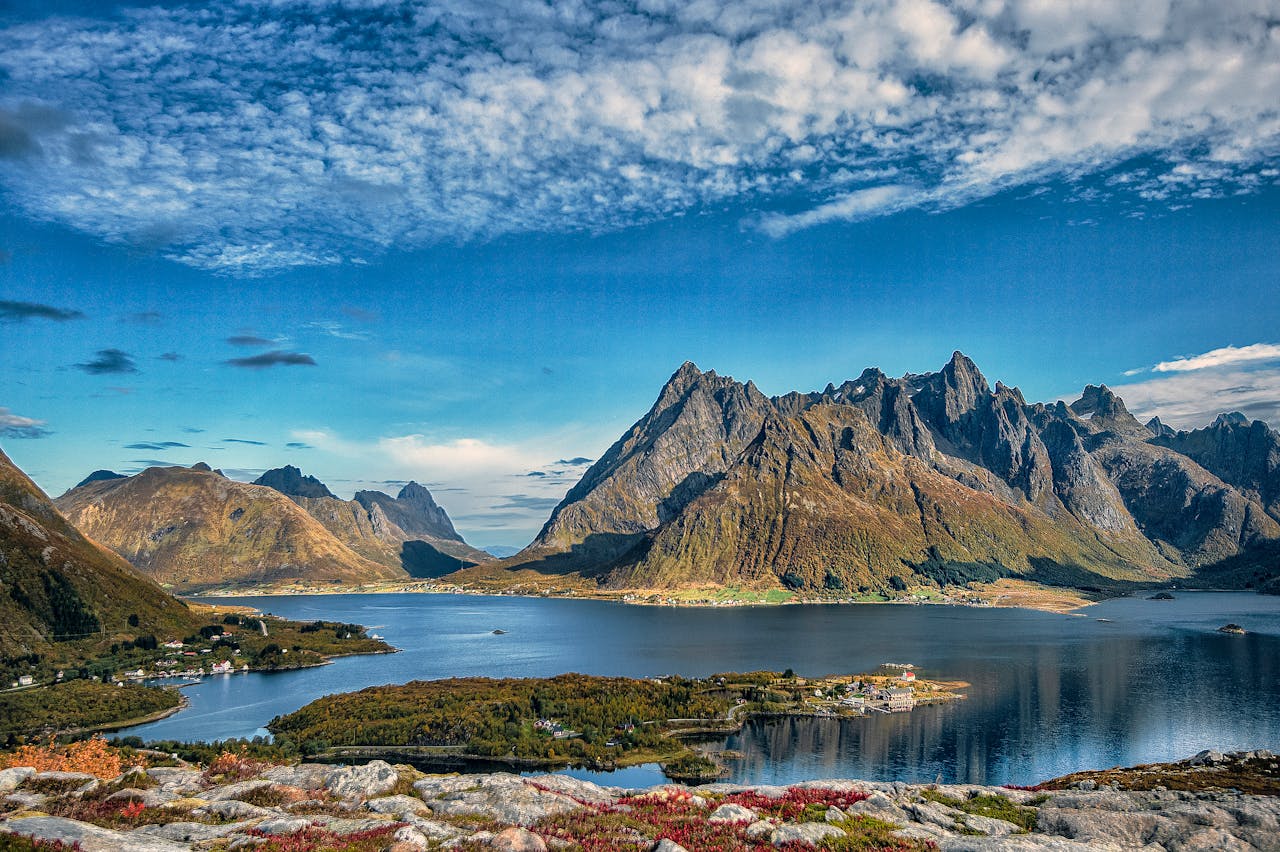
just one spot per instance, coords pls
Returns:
(362, 782)
(189, 832)
(283, 825)
(11, 778)
(232, 809)
(502, 796)
(308, 776)
(810, 833)
(397, 805)
(91, 838)
(583, 791)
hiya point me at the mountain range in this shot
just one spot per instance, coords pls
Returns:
(881, 484)
(193, 528)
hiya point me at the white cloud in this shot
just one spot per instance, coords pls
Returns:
(856, 205)
(264, 134)
(418, 456)
(16, 426)
(1193, 399)
(485, 485)
(1226, 356)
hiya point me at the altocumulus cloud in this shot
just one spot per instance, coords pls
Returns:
(412, 124)
(275, 358)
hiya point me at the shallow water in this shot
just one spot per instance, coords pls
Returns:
(1050, 693)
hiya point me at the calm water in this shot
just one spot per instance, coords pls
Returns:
(1050, 693)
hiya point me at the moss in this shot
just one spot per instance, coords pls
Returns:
(868, 834)
(985, 805)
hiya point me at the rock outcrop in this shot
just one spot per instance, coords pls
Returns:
(352, 807)
(881, 484)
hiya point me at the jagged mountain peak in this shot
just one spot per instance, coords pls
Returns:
(714, 484)
(416, 493)
(1160, 429)
(291, 482)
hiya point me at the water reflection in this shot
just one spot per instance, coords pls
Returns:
(1124, 700)
(1050, 694)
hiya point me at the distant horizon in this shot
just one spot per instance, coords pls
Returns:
(466, 245)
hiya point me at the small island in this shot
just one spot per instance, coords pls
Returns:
(582, 720)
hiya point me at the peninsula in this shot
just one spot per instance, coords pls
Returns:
(582, 720)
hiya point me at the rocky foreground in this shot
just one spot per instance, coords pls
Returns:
(378, 807)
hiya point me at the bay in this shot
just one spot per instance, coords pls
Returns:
(1126, 681)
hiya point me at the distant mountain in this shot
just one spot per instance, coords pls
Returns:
(288, 480)
(880, 484)
(100, 476)
(408, 532)
(414, 510)
(58, 586)
(501, 551)
(192, 528)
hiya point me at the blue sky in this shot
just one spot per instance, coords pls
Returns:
(465, 243)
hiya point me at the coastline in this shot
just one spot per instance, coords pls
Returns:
(1007, 593)
(121, 724)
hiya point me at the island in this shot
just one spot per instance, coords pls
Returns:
(582, 720)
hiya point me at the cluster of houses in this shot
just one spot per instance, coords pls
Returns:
(863, 695)
(555, 729)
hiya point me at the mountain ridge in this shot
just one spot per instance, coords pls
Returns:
(883, 483)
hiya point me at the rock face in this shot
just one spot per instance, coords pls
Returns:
(533, 814)
(192, 528)
(881, 484)
(410, 532)
(58, 586)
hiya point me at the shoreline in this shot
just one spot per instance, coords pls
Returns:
(119, 725)
(1031, 596)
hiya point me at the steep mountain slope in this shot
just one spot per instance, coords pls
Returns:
(879, 484)
(192, 528)
(408, 531)
(58, 586)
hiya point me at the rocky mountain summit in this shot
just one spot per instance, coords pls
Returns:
(193, 528)
(58, 586)
(881, 484)
(384, 807)
(409, 531)
(291, 482)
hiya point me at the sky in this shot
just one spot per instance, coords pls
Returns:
(466, 243)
